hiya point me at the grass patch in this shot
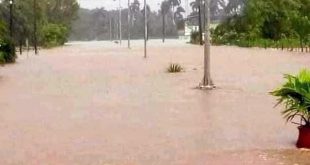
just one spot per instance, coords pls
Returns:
(174, 68)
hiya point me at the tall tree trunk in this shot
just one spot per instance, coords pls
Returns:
(145, 29)
(129, 25)
(11, 20)
(35, 26)
(301, 44)
(110, 26)
(207, 82)
(120, 23)
(173, 16)
(20, 46)
(148, 30)
(200, 23)
(164, 28)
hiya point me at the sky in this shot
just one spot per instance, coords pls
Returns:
(111, 4)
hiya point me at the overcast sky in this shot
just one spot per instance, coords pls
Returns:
(111, 4)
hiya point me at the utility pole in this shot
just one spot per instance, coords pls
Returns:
(207, 82)
(145, 29)
(35, 26)
(129, 21)
(11, 19)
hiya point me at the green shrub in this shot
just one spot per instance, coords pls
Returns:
(266, 24)
(195, 38)
(7, 50)
(295, 95)
(3, 30)
(174, 68)
(2, 60)
(54, 35)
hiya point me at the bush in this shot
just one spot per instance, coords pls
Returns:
(195, 38)
(174, 68)
(3, 30)
(7, 50)
(2, 60)
(54, 35)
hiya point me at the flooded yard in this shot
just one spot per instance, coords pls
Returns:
(101, 103)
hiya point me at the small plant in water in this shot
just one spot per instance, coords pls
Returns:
(174, 68)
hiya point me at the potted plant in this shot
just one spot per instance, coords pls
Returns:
(295, 95)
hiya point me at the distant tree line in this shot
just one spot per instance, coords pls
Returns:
(102, 24)
(272, 23)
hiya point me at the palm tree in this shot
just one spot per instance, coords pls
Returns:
(179, 17)
(207, 82)
(217, 8)
(135, 9)
(165, 7)
(178, 13)
(234, 7)
(148, 11)
(196, 6)
(173, 4)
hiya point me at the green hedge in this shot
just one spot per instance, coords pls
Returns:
(7, 51)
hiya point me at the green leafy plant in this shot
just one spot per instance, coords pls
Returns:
(195, 38)
(7, 50)
(295, 95)
(54, 35)
(174, 68)
(266, 24)
(3, 30)
(2, 60)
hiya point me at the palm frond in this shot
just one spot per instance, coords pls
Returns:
(295, 95)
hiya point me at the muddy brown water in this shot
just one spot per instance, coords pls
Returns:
(100, 103)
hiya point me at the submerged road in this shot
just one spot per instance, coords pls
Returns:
(99, 103)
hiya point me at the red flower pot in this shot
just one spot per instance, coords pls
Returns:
(304, 137)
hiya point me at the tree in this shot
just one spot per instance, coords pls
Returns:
(259, 20)
(196, 6)
(234, 7)
(90, 26)
(148, 12)
(217, 8)
(135, 9)
(207, 82)
(173, 4)
(60, 12)
(165, 7)
(301, 25)
(3, 30)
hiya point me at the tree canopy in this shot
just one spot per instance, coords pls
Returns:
(272, 20)
(59, 13)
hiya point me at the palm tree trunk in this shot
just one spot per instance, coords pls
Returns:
(120, 23)
(200, 23)
(129, 26)
(20, 46)
(207, 82)
(145, 29)
(164, 28)
(110, 26)
(35, 26)
(301, 45)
